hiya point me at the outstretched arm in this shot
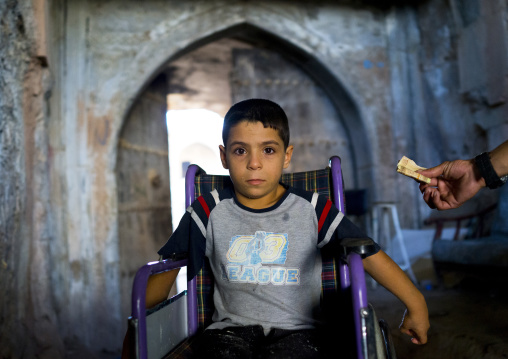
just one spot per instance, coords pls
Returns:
(453, 183)
(386, 272)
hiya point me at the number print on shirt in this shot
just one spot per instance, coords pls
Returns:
(248, 253)
(262, 247)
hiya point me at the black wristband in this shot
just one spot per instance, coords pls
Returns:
(487, 171)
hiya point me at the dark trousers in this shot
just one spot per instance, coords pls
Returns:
(250, 342)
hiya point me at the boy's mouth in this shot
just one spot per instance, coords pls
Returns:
(255, 181)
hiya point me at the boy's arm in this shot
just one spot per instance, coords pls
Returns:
(158, 287)
(387, 273)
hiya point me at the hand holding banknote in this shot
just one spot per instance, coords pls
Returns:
(446, 186)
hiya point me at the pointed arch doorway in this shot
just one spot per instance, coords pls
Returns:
(254, 63)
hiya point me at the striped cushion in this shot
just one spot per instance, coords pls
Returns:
(315, 181)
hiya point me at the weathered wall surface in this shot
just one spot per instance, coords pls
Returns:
(28, 262)
(12, 173)
(448, 84)
(406, 80)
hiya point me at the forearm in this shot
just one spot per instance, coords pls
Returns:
(499, 159)
(387, 273)
(158, 287)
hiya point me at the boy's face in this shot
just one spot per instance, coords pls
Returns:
(255, 158)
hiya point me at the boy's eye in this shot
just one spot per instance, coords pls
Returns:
(269, 150)
(239, 151)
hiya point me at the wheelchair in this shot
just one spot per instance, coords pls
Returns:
(166, 331)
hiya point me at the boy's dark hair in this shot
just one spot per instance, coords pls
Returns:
(253, 110)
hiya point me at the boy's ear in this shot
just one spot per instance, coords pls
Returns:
(287, 156)
(222, 150)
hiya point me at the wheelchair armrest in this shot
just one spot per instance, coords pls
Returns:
(138, 308)
(141, 281)
(362, 246)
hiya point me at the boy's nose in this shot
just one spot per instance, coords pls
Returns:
(254, 162)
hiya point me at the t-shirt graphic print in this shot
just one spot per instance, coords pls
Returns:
(254, 259)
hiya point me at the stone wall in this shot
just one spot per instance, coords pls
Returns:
(443, 57)
(15, 55)
(406, 80)
(28, 264)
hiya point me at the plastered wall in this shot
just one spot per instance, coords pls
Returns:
(400, 76)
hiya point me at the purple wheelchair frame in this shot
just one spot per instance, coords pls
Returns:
(351, 273)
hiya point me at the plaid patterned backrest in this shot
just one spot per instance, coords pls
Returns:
(316, 181)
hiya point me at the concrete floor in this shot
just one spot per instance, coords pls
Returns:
(468, 316)
(466, 322)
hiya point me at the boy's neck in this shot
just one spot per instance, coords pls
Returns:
(261, 203)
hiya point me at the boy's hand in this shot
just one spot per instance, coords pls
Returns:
(415, 327)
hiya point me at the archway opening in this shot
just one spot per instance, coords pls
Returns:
(194, 136)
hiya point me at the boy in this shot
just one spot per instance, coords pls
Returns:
(263, 240)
